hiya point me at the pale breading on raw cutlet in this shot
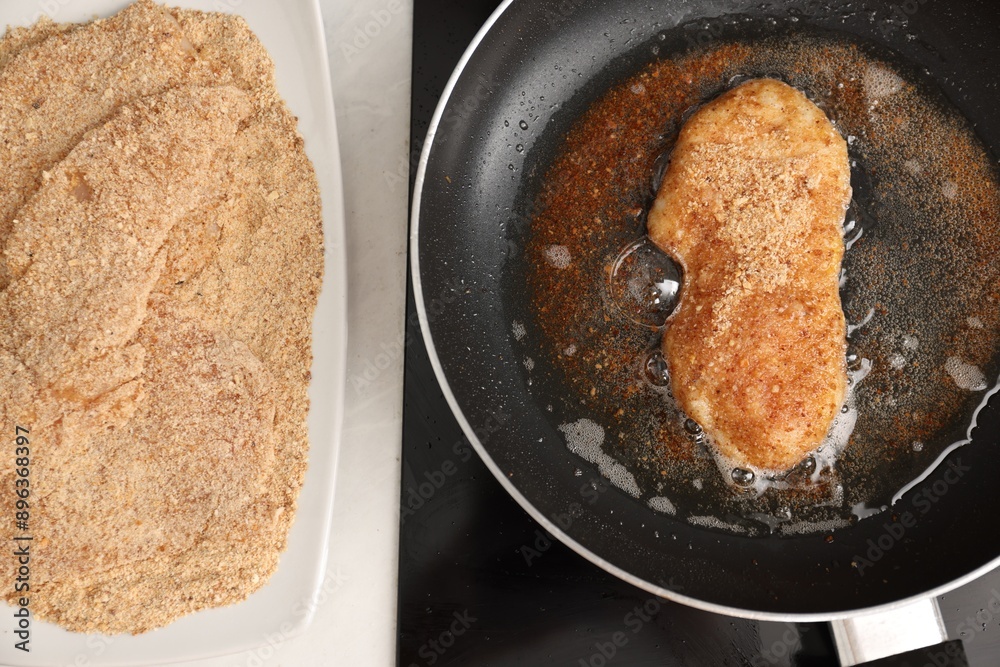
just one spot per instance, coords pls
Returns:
(79, 289)
(18, 38)
(215, 256)
(752, 205)
(75, 339)
(229, 52)
(172, 363)
(128, 502)
(62, 80)
(56, 90)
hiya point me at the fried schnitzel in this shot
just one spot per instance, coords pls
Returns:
(752, 206)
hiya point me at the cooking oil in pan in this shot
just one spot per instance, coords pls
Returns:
(920, 289)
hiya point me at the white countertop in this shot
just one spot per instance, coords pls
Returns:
(369, 44)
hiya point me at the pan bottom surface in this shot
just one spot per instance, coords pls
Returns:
(919, 288)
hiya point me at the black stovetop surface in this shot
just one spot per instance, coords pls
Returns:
(479, 584)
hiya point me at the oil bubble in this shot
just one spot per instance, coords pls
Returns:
(645, 283)
(657, 371)
(743, 477)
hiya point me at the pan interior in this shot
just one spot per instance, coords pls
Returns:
(918, 286)
(503, 127)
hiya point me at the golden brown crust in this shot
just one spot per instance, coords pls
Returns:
(752, 205)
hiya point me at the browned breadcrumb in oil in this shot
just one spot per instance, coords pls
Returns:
(162, 258)
(925, 270)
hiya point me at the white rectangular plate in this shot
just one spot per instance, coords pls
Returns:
(292, 31)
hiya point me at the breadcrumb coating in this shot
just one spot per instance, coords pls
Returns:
(162, 255)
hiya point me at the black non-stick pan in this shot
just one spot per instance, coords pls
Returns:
(528, 77)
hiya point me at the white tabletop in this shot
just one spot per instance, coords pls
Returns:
(369, 44)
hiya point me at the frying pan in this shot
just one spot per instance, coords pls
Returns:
(475, 181)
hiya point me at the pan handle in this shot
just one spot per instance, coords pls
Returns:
(871, 637)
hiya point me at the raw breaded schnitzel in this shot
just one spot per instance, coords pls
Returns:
(88, 71)
(161, 255)
(752, 205)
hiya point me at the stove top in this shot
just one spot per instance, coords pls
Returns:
(480, 583)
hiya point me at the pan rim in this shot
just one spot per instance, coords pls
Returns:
(550, 526)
